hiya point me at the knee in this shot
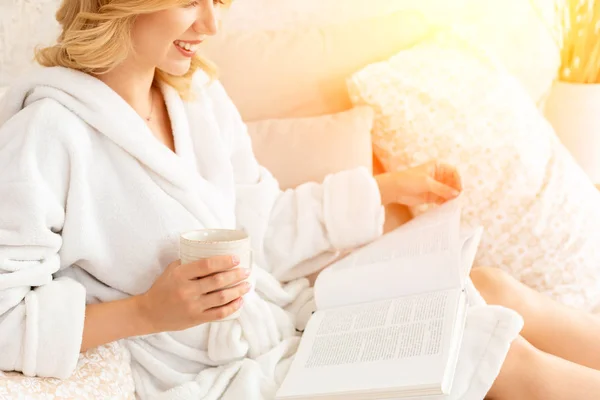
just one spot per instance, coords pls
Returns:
(528, 366)
(518, 375)
(523, 353)
(495, 285)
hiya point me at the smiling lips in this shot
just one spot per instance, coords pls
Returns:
(188, 49)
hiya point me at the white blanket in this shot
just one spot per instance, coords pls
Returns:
(91, 206)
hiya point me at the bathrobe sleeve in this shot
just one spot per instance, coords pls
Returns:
(41, 318)
(292, 226)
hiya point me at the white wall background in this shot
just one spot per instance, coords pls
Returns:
(24, 24)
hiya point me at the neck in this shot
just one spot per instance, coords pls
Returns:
(133, 84)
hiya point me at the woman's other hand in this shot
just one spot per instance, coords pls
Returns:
(432, 182)
(186, 295)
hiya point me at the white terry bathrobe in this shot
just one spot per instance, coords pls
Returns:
(91, 207)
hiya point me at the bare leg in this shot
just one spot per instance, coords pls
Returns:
(551, 327)
(530, 374)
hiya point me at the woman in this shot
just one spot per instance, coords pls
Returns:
(123, 143)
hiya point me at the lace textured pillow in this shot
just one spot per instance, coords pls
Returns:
(442, 99)
(102, 373)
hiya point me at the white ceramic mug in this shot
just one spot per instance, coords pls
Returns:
(207, 243)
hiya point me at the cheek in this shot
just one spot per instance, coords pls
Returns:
(153, 35)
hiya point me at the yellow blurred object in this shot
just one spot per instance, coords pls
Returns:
(580, 56)
(572, 106)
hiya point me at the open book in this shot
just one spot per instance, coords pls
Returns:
(390, 317)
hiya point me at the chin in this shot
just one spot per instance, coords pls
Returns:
(176, 68)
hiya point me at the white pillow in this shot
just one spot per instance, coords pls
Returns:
(523, 35)
(441, 100)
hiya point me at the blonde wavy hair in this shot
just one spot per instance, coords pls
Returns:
(96, 37)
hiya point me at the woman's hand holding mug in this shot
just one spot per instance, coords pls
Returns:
(187, 295)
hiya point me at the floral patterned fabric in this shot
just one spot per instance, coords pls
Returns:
(444, 99)
(102, 373)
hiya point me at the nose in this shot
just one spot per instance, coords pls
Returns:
(206, 22)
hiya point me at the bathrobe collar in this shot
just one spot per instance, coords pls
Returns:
(103, 109)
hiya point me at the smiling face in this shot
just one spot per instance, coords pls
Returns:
(168, 39)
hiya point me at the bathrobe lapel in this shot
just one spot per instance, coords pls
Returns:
(200, 146)
(100, 107)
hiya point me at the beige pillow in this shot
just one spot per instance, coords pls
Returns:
(302, 71)
(524, 35)
(299, 150)
(443, 100)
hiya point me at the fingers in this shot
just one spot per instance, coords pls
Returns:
(439, 189)
(448, 175)
(224, 311)
(456, 179)
(208, 266)
(222, 280)
(225, 296)
(439, 200)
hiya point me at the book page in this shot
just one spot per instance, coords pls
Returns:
(424, 255)
(403, 342)
(470, 244)
(394, 329)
